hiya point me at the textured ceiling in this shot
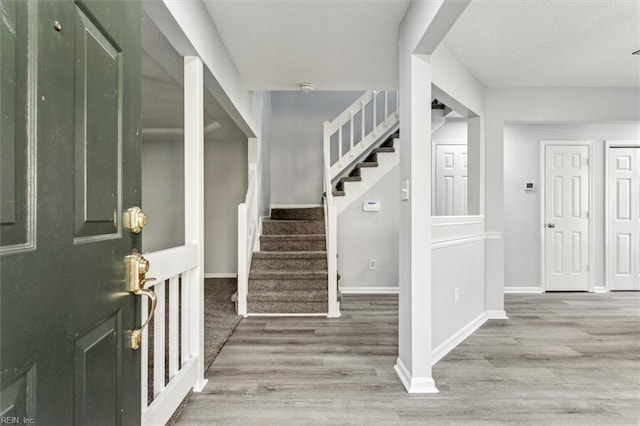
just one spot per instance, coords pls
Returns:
(549, 43)
(336, 45)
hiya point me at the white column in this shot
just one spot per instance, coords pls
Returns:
(414, 361)
(194, 202)
(494, 212)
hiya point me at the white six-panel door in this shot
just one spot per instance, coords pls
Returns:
(623, 269)
(450, 190)
(566, 216)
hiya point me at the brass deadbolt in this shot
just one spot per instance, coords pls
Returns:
(135, 219)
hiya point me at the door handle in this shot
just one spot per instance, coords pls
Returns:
(137, 268)
(551, 225)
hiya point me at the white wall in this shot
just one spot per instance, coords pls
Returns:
(225, 186)
(522, 209)
(371, 235)
(579, 105)
(296, 142)
(163, 194)
(452, 129)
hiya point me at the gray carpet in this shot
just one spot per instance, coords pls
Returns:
(220, 320)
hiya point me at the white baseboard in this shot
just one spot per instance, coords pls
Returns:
(221, 275)
(497, 315)
(453, 341)
(600, 290)
(294, 206)
(369, 290)
(414, 384)
(523, 290)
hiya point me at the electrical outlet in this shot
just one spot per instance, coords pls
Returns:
(456, 295)
(372, 264)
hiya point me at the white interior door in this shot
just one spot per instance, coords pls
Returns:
(450, 192)
(566, 215)
(623, 243)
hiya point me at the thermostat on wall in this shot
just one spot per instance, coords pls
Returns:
(529, 186)
(371, 206)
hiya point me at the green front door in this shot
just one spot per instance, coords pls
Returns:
(70, 136)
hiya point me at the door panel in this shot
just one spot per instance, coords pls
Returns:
(623, 269)
(566, 217)
(450, 183)
(66, 314)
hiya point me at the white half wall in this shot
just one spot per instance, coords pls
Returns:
(296, 142)
(522, 209)
(225, 186)
(371, 235)
(163, 194)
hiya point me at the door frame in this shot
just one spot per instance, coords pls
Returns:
(607, 214)
(590, 271)
(434, 146)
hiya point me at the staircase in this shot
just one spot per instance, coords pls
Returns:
(289, 273)
(373, 160)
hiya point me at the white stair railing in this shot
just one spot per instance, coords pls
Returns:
(248, 237)
(364, 122)
(176, 287)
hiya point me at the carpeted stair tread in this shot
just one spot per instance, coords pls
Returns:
(384, 149)
(265, 274)
(367, 164)
(290, 255)
(351, 179)
(288, 296)
(258, 284)
(287, 307)
(292, 227)
(338, 193)
(308, 242)
(302, 213)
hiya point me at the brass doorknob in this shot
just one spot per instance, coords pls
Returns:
(137, 268)
(135, 219)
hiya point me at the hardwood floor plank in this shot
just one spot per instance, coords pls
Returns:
(561, 359)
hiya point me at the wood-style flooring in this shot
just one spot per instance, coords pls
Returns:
(561, 359)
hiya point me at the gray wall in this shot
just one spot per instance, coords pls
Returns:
(452, 129)
(264, 162)
(296, 142)
(367, 235)
(522, 209)
(225, 175)
(163, 194)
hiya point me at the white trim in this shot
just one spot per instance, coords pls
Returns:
(591, 271)
(294, 206)
(523, 290)
(448, 345)
(221, 275)
(458, 240)
(456, 220)
(497, 315)
(493, 235)
(414, 384)
(607, 146)
(287, 315)
(369, 290)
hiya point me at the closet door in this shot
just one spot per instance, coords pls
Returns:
(623, 244)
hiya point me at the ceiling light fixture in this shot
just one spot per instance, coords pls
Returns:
(306, 87)
(637, 52)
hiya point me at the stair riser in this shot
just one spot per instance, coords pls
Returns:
(289, 264)
(286, 285)
(293, 245)
(315, 213)
(288, 308)
(292, 228)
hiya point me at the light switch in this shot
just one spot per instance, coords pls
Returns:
(404, 190)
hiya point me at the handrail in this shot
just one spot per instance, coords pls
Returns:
(367, 108)
(247, 237)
